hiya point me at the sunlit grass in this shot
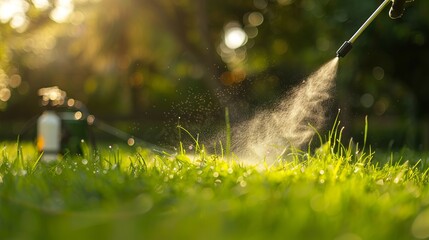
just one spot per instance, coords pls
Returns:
(334, 192)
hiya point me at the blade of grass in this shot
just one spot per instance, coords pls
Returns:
(228, 132)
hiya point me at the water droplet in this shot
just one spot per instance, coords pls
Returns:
(217, 182)
(215, 174)
(58, 170)
(84, 161)
(22, 172)
(243, 183)
(396, 180)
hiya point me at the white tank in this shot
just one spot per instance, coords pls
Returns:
(49, 135)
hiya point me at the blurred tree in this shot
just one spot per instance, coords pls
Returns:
(136, 57)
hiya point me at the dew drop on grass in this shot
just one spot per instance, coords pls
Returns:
(114, 166)
(216, 174)
(84, 161)
(217, 182)
(243, 183)
(396, 180)
(58, 170)
(22, 172)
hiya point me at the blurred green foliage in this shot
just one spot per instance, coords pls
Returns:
(155, 61)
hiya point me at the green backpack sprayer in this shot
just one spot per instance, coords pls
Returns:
(66, 125)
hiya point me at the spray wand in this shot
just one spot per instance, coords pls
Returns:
(347, 45)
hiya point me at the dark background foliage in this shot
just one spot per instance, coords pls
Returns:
(142, 64)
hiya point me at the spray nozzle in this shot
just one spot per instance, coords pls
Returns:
(344, 49)
(347, 45)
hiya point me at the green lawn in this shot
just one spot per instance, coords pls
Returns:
(337, 192)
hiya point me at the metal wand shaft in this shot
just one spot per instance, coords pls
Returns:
(347, 45)
(369, 21)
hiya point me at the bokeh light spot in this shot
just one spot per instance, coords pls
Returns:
(131, 141)
(367, 100)
(15, 81)
(19, 21)
(4, 94)
(255, 18)
(78, 115)
(62, 11)
(285, 2)
(70, 102)
(261, 4)
(280, 46)
(236, 76)
(41, 4)
(420, 227)
(251, 31)
(90, 119)
(381, 106)
(378, 73)
(235, 37)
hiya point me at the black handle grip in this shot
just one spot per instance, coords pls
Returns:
(397, 9)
